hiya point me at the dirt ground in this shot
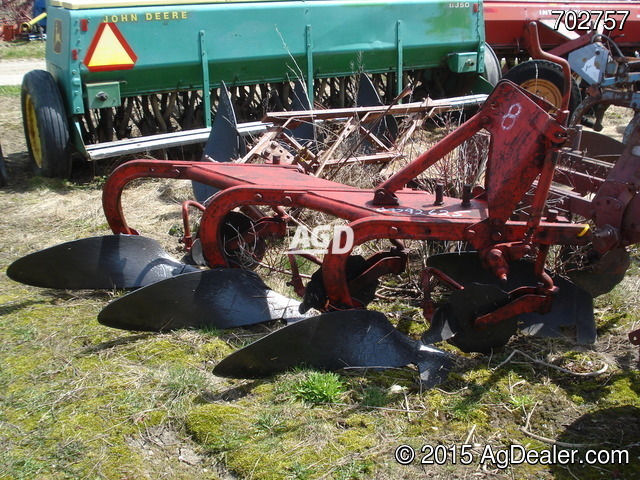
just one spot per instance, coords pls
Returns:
(11, 135)
(12, 71)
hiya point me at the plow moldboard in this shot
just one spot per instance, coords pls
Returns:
(218, 298)
(332, 341)
(110, 261)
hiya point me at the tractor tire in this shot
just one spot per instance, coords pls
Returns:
(3, 170)
(45, 125)
(544, 79)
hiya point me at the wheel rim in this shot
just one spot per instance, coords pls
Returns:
(544, 89)
(32, 131)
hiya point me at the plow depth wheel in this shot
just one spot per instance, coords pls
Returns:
(544, 79)
(45, 125)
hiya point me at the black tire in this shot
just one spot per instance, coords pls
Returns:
(544, 79)
(45, 125)
(4, 178)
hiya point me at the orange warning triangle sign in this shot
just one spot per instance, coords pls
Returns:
(109, 50)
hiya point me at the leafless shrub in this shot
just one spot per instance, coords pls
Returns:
(462, 166)
(16, 10)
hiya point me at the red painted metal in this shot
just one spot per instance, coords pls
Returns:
(529, 302)
(533, 45)
(9, 33)
(187, 238)
(617, 201)
(505, 22)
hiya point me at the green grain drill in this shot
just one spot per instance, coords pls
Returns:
(118, 71)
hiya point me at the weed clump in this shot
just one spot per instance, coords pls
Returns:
(319, 387)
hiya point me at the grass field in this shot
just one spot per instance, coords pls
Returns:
(21, 49)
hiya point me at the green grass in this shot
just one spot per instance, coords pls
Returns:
(10, 90)
(79, 400)
(22, 50)
(319, 387)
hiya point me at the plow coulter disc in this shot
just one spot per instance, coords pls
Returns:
(603, 273)
(572, 306)
(111, 261)
(224, 143)
(219, 298)
(332, 341)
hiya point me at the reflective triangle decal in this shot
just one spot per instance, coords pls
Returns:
(109, 50)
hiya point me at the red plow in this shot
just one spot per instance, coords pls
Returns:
(537, 192)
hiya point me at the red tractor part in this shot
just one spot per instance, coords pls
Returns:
(9, 32)
(390, 210)
(505, 21)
